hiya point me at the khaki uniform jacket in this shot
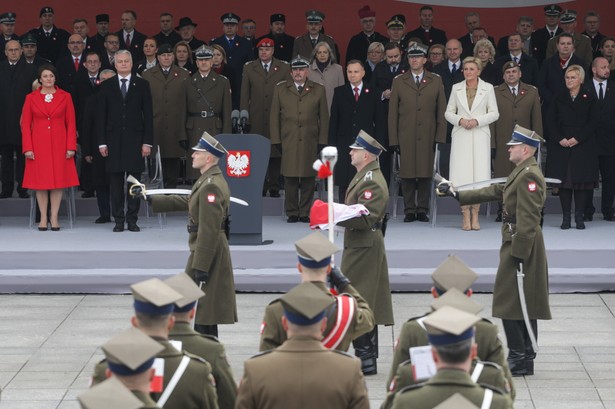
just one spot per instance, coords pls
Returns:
(582, 48)
(210, 349)
(442, 386)
(257, 89)
(300, 374)
(195, 388)
(524, 197)
(364, 260)
(217, 91)
(148, 402)
(303, 45)
(413, 334)
(523, 110)
(273, 334)
(169, 106)
(300, 122)
(416, 122)
(208, 206)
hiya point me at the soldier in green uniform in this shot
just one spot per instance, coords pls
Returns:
(208, 100)
(259, 80)
(153, 303)
(130, 358)
(364, 259)
(110, 394)
(523, 246)
(451, 335)
(209, 263)
(299, 125)
(350, 316)
(452, 277)
(205, 346)
(302, 373)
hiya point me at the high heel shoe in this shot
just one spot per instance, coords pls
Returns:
(43, 227)
(55, 228)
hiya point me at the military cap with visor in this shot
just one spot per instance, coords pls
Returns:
(305, 304)
(111, 393)
(191, 293)
(448, 326)
(526, 136)
(453, 273)
(131, 352)
(208, 143)
(154, 297)
(315, 250)
(367, 142)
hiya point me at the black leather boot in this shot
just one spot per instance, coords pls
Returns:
(530, 354)
(366, 349)
(207, 329)
(516, 347)
(579, 219)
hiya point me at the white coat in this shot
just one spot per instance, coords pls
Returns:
(471, 149)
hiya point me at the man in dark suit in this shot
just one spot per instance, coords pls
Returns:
(7, 30)
(167, 34)
(592, 25)
(81, 27)
(515, 53)
(467, 42)
(112, 45)
(428, 34)
(16, 77)
(525, 27)
(355, 107)
(131, 39)
(125, 135)
(283, 49)
(51, 40)
(382, 80)
(603, 91)
(186, 29)
(102, 29)
(358, 44)
(28, 43)
(305, 43)
(68, 66)
(541, 37)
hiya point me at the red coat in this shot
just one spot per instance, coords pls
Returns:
(49, 130)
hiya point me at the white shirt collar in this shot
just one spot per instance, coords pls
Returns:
(120, 78)
(360, 86)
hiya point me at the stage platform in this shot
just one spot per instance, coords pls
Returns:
(90, 258)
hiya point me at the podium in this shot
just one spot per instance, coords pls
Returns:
(244, 170)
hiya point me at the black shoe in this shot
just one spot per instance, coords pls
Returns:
(588, 218)
(87, 194)
(529, 366)
(410, 217)
(56, 228)
(133, 227)
(579, 221)
(292, 219)
(102, 220)
(6, 195)
(304, 219)
(519, 368)
(274, 193)
(565, 223)
(422, 217)
(23, 194)
(609, 218)
(42, 228)
(369, 366)
(119, 227)
(498, 218)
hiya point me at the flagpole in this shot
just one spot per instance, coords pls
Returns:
(329, 158)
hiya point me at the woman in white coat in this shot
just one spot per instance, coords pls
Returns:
(471, 108)
(325, 71)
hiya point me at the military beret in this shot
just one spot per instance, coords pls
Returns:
(28, 39)
(453, 273)
(210, 144)
(365, 12)
(191, 293)
(305, 304)
(131, 352)
(184, 22)
(45, 10)
(314, 16)
(230, 18)
(277, 17)
(449, 325)
(8, 18)
(552, 10)
(299, 62)
(457, 299)
(102, 18)
(315, 250)
(508, 65)
(568, 16)
(526, 136)
(154, 297)
(265, 42)
(165, 49)
(110, 393)
(367, 142)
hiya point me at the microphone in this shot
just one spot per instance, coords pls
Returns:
(244, 118)
(234, 119)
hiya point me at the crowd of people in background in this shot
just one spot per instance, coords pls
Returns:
(191, 86)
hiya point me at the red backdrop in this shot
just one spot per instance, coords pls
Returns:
(341, 15)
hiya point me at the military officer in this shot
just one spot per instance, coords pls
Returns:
(582, 44)
(364, 258)
(110, 393)
(153, 304)
(350, 316)
(523, 247)
(130, 358)
(540, 38)
(7, 30)
(208, 101)
(298, 126)
(305, 43)
(257, 87)
(205, 346)
(29, 45)
(283, 43)
(451, 279)
(315, 376)
(416, 124)
(451, 335)
(166, 81)
(209, 263)
(52, 41)
(518, 103)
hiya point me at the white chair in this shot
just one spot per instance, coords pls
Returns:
(154, 181)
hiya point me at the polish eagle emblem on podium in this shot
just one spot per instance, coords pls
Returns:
(238, 164)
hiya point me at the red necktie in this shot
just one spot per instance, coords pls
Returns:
(76, 64)
(356, 94)
(127, 41)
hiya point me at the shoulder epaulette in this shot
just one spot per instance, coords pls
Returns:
(493, 388)
(490, 363)
(412, 387)
(281, 82)
(195, 357)
(210, 337)
(262, 353)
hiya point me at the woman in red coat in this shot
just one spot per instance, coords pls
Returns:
(49, 140)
